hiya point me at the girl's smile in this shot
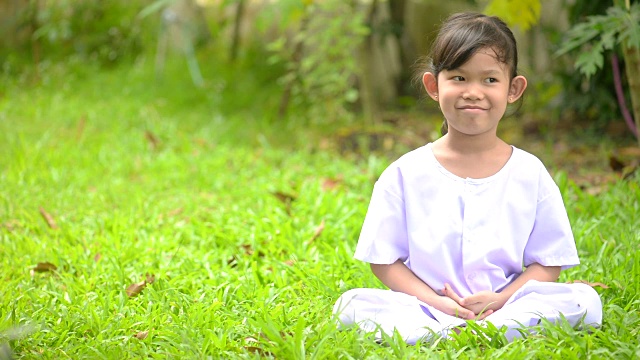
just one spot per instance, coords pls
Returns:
(471, 108)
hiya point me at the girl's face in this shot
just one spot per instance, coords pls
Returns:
(474, 97)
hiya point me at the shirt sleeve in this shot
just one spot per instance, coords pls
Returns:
(383, 238)
(551, 241)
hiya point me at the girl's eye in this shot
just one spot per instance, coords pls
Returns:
(491, 80)
(458, 78)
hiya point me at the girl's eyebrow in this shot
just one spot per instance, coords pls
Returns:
(491, 72)
(486, 72)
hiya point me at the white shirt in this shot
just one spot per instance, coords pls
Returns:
(475, 234)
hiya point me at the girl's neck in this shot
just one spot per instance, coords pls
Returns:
(471, 145)
(474, 157)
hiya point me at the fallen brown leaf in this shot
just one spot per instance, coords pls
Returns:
(150, 278)
(141, 335)
(317, 233)
(290, 262)
(136, 288)
(81, 125)
(329, 184)
(152, 139)
(255, 348)
(285, 198)
(592, 284)
(48, 218)
(11, 224)
(595, 190)
(232, 261)
(45, 267)
(248, 249)
(97, 257)
(175, 212)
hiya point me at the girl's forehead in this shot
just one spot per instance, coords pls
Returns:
(485, 60)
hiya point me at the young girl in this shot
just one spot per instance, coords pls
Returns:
(468, 227)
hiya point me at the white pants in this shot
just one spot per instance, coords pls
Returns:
(376, 310)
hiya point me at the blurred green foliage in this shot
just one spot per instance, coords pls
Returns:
(598, 35)
(317, 48)
(522, 13)
(305, 50)
(96, 30)
(591, 98)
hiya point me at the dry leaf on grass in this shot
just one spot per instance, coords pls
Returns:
(252, 346)
(150, 278)
(141, 335)
(136, 288)
(175, 212)
(232, 261)
(81, 125)
(285, 198)
(44, 267)
(329, 184)
(48, 218)
(11, 224)
(97, 257)
(592, 284)
(317, 233)
(248, 250)
(152, 139)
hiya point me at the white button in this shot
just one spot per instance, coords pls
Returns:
(471, 276)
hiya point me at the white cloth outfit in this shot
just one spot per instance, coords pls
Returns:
(474, 234)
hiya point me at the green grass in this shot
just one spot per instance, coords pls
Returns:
(239, 273)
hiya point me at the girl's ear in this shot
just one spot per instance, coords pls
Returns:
(430, 83)
(517, 87)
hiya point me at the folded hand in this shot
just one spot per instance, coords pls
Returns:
(482, 304)
(451, 307)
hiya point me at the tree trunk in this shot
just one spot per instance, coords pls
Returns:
(632, 67)
(296, 59)
(369, 104)
(36, 47)
(397, 10)
(235, 44)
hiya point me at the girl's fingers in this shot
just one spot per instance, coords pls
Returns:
(483, 315)
(450, 293)
(470, 315)
(470, 300)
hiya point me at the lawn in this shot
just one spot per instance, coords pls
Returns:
(144, 219)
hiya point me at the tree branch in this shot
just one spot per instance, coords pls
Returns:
(620, 95)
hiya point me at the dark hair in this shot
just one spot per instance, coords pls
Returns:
(461, 36)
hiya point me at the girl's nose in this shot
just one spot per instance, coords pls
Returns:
(472, 92)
